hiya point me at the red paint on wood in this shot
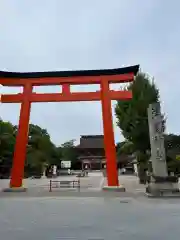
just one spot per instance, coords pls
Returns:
(12, 98)
(66, 88)
(110, 150)
(66, 96)
(17, 173)
(105, 96)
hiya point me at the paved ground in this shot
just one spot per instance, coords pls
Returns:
(131, 183)
(88, 218)
(93, 182)
(88, 214)
(91, 186)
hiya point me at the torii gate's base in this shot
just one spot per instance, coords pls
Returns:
(114, 188)
(105, 187)
(19, 189)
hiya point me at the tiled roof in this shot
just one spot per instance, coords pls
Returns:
(92, 141)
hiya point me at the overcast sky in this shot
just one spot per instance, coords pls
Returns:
(49, 35)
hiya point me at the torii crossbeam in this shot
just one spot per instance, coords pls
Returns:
(66, 79)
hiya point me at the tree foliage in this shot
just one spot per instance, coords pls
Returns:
(69, 152)
(132, 116)
(7, 142)
(172, 146)
(125, 147)
(132, 119)
(41, 151)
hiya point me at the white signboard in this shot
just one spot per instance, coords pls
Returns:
(65, 164)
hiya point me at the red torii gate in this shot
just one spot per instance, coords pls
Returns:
(66, 78)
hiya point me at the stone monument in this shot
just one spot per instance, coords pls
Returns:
(160, 183)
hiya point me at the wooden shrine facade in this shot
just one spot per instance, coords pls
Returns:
(91, 152)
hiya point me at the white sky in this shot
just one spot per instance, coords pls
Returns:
(43, 35)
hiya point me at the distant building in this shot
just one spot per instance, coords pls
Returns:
(91, 152)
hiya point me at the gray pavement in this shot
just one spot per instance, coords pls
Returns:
(90, 186)
(94, 182)
(88, 218)
(86, 214)
(131, 183)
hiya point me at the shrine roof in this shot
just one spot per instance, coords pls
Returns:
(91, 141)
(79, 73)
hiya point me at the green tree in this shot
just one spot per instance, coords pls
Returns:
(69, 152)
(132, 116)
(172, 146)
(7, 142)
(126, 148)
(40, 151)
